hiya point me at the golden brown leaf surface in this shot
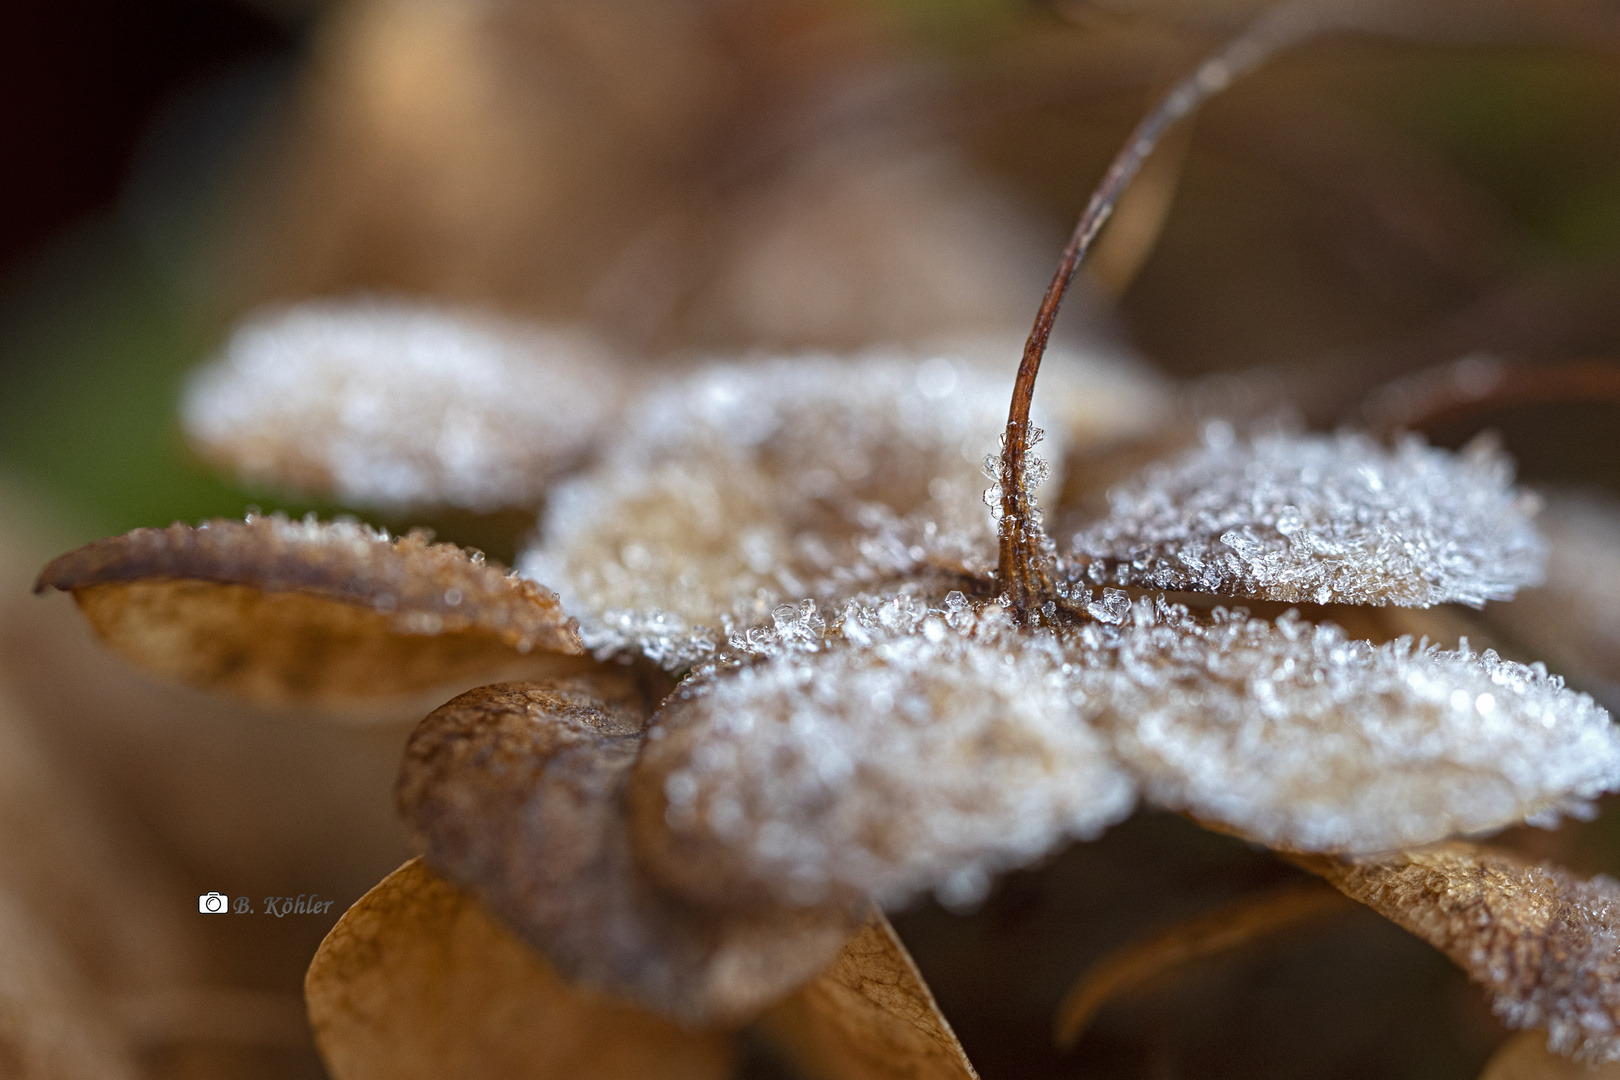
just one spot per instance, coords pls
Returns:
(869, 1016)
(302, 611)
(516, 791)
(1526, 1057)
(1541, 940)
(418, 980)
(1232, 926)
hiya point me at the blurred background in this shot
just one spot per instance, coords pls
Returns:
(686, 175)
(696, 178)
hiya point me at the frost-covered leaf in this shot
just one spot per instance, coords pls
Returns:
(385, 403)
(418, 982)
(1573, 618)
(306, 611)
(1541, 940)
(1299, 737)
(901, 748)
(1320, 519)
(515, 792)
(743, 487)
(1138, 964)
(869, 1016)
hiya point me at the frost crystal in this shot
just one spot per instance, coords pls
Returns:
(1303, 739)
(389, 404)
(900, 748)
(1320, 519)
(1544, 942)
(743, 487)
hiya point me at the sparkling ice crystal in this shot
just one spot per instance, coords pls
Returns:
(1320, 519)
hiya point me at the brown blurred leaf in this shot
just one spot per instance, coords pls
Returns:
(287, 611)
(516, 791)
(869, 1016)
(1541, 940)
(1232, 926)
(417, 980)
(1526, 1057)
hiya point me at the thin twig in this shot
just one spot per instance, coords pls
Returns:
(1478, 384)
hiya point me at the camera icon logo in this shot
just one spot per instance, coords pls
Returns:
(213, 903)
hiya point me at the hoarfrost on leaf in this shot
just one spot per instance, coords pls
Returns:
(390, 404)
(1541, 940)
(741, 487)
(1303, 739)
(899, 747)
(1320, 519)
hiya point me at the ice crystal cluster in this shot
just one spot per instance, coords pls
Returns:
(742, 487)
(1321, 519)
(1304, 739)
(901, 747)
(390, 405)
(1571, 985)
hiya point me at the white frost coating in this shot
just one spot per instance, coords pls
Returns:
(1321, 519)
(745, 486)
(386, 403)
(1302, 739)
(901, 748)
(1571, 987)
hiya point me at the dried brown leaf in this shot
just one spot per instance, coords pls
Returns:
(304, 611)
(1526, 1057)
(1541, 940)
(869, 1016)
(1232, 926)
(516, 791)
(418, 980)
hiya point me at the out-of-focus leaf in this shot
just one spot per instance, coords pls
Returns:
(1319, 519)
(1574, 617)
(1540, 940)
(741, 488)
(286, 611)
(516, 792)
(1526, 1057)
(1233, 926)
(417, 980)
(869, 1016)
(398, 405)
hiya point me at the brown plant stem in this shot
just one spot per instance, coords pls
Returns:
(1236, 925)
(1476, 385)
(1022, 571)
